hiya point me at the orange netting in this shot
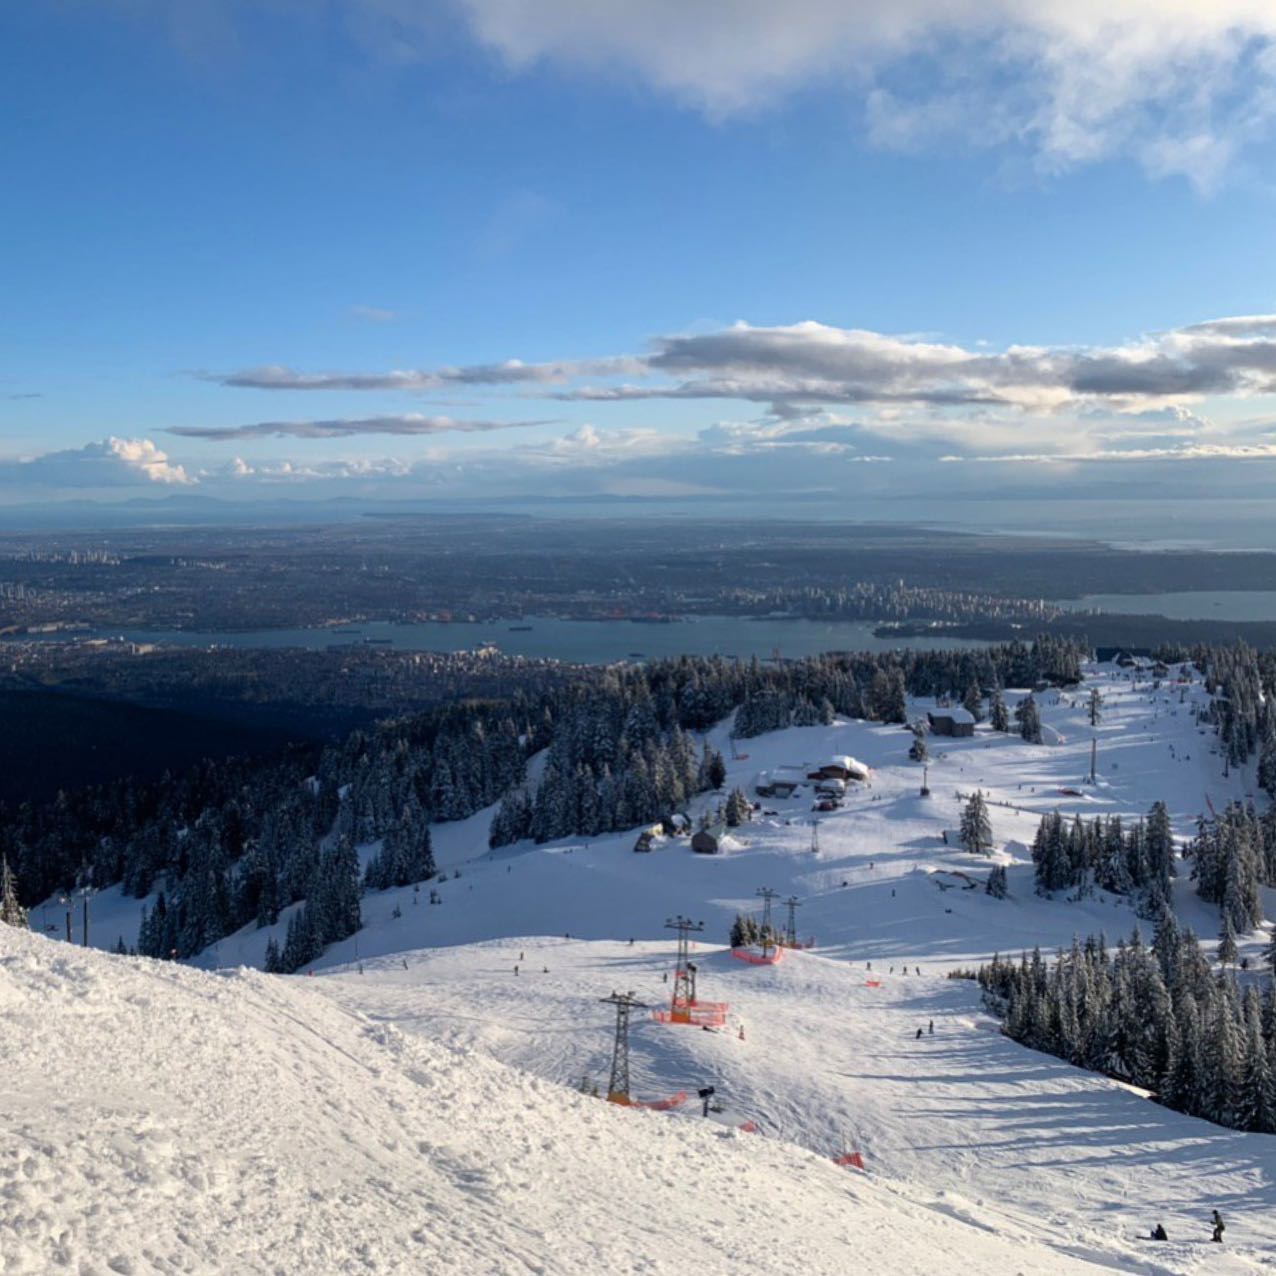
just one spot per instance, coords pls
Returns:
(850, 1158)
(757, 959)
(702, 1014)
(664, 1105)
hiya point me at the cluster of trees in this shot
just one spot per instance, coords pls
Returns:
(1106, 853)
(1233, 857)
(748, 932)
(1155, 1016)
(237, 841)
(874, 685)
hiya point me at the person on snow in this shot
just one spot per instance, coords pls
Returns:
(1159, 1233)
(1217, 1219)
(930, 1028)
(919, 1034)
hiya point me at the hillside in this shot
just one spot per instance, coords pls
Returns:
(158, 1119)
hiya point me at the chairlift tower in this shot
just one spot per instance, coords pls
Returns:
(790, 929)
(815, 837)
(766, 894)
(684, 983)
(618, 1083)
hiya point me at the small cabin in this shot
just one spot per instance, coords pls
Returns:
(708, 841)
(769, 784)
(842, 767)
(677, 825)
(952, 722)
(645, 841)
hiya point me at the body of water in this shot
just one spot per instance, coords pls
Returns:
(578, 641)
(1217, 604)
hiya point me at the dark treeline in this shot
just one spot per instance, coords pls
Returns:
(235, 842)
(1156, 1017)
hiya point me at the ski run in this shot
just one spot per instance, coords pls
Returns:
(410, 1103)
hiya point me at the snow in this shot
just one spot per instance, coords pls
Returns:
(158, 1119)
(981, 1155)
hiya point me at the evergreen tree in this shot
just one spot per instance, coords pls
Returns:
(11, 911)
(976, 826)
(1227, 952)
(918, 751)
(973, 702)
(996, 884)
(1029, 719)
(999, 717)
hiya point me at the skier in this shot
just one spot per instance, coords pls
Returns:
(919, 1034)
(1159, 1233)
(516, 970)
(1217, 1220)
(931, 1028)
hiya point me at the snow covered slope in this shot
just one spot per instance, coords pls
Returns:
(156, 1119)
(964, 1121)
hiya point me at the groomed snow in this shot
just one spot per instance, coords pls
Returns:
(965, 1133)
(157, 1119)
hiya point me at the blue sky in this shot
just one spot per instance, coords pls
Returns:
(199, 190)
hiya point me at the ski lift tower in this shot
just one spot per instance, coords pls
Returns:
(766, 894)
(790, 928)
(684, 986)
(618, 1083)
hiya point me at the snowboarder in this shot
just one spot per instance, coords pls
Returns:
(1217, 1219)
(1159, 1233)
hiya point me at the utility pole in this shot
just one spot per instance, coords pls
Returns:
(815, 837)
(790, 929)
(766, 894)
(1094, 758)
(925, 781)
(684, 977)
(618, 1083)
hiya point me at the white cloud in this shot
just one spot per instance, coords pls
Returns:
(1178, 85)
(110, 463)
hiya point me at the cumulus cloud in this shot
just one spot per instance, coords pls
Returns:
(344, 428)
(110, 463)
(816, 363)
(1181, 86)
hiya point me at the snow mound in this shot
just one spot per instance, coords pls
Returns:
(158, 1119)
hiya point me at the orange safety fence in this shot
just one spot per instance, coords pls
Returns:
(665, 1105)
(749, 1127)
(850, 1158)
(757, 959)
(704, 1014)
(872, 983)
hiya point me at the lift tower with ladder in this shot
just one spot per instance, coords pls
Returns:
(618, 1083)
(767, 895)
(684, 975)
(790, 927)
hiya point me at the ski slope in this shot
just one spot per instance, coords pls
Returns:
(965, 1122)
(961, 1130)
(158, 1119)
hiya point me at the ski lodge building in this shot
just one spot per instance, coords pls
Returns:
(953, 722)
